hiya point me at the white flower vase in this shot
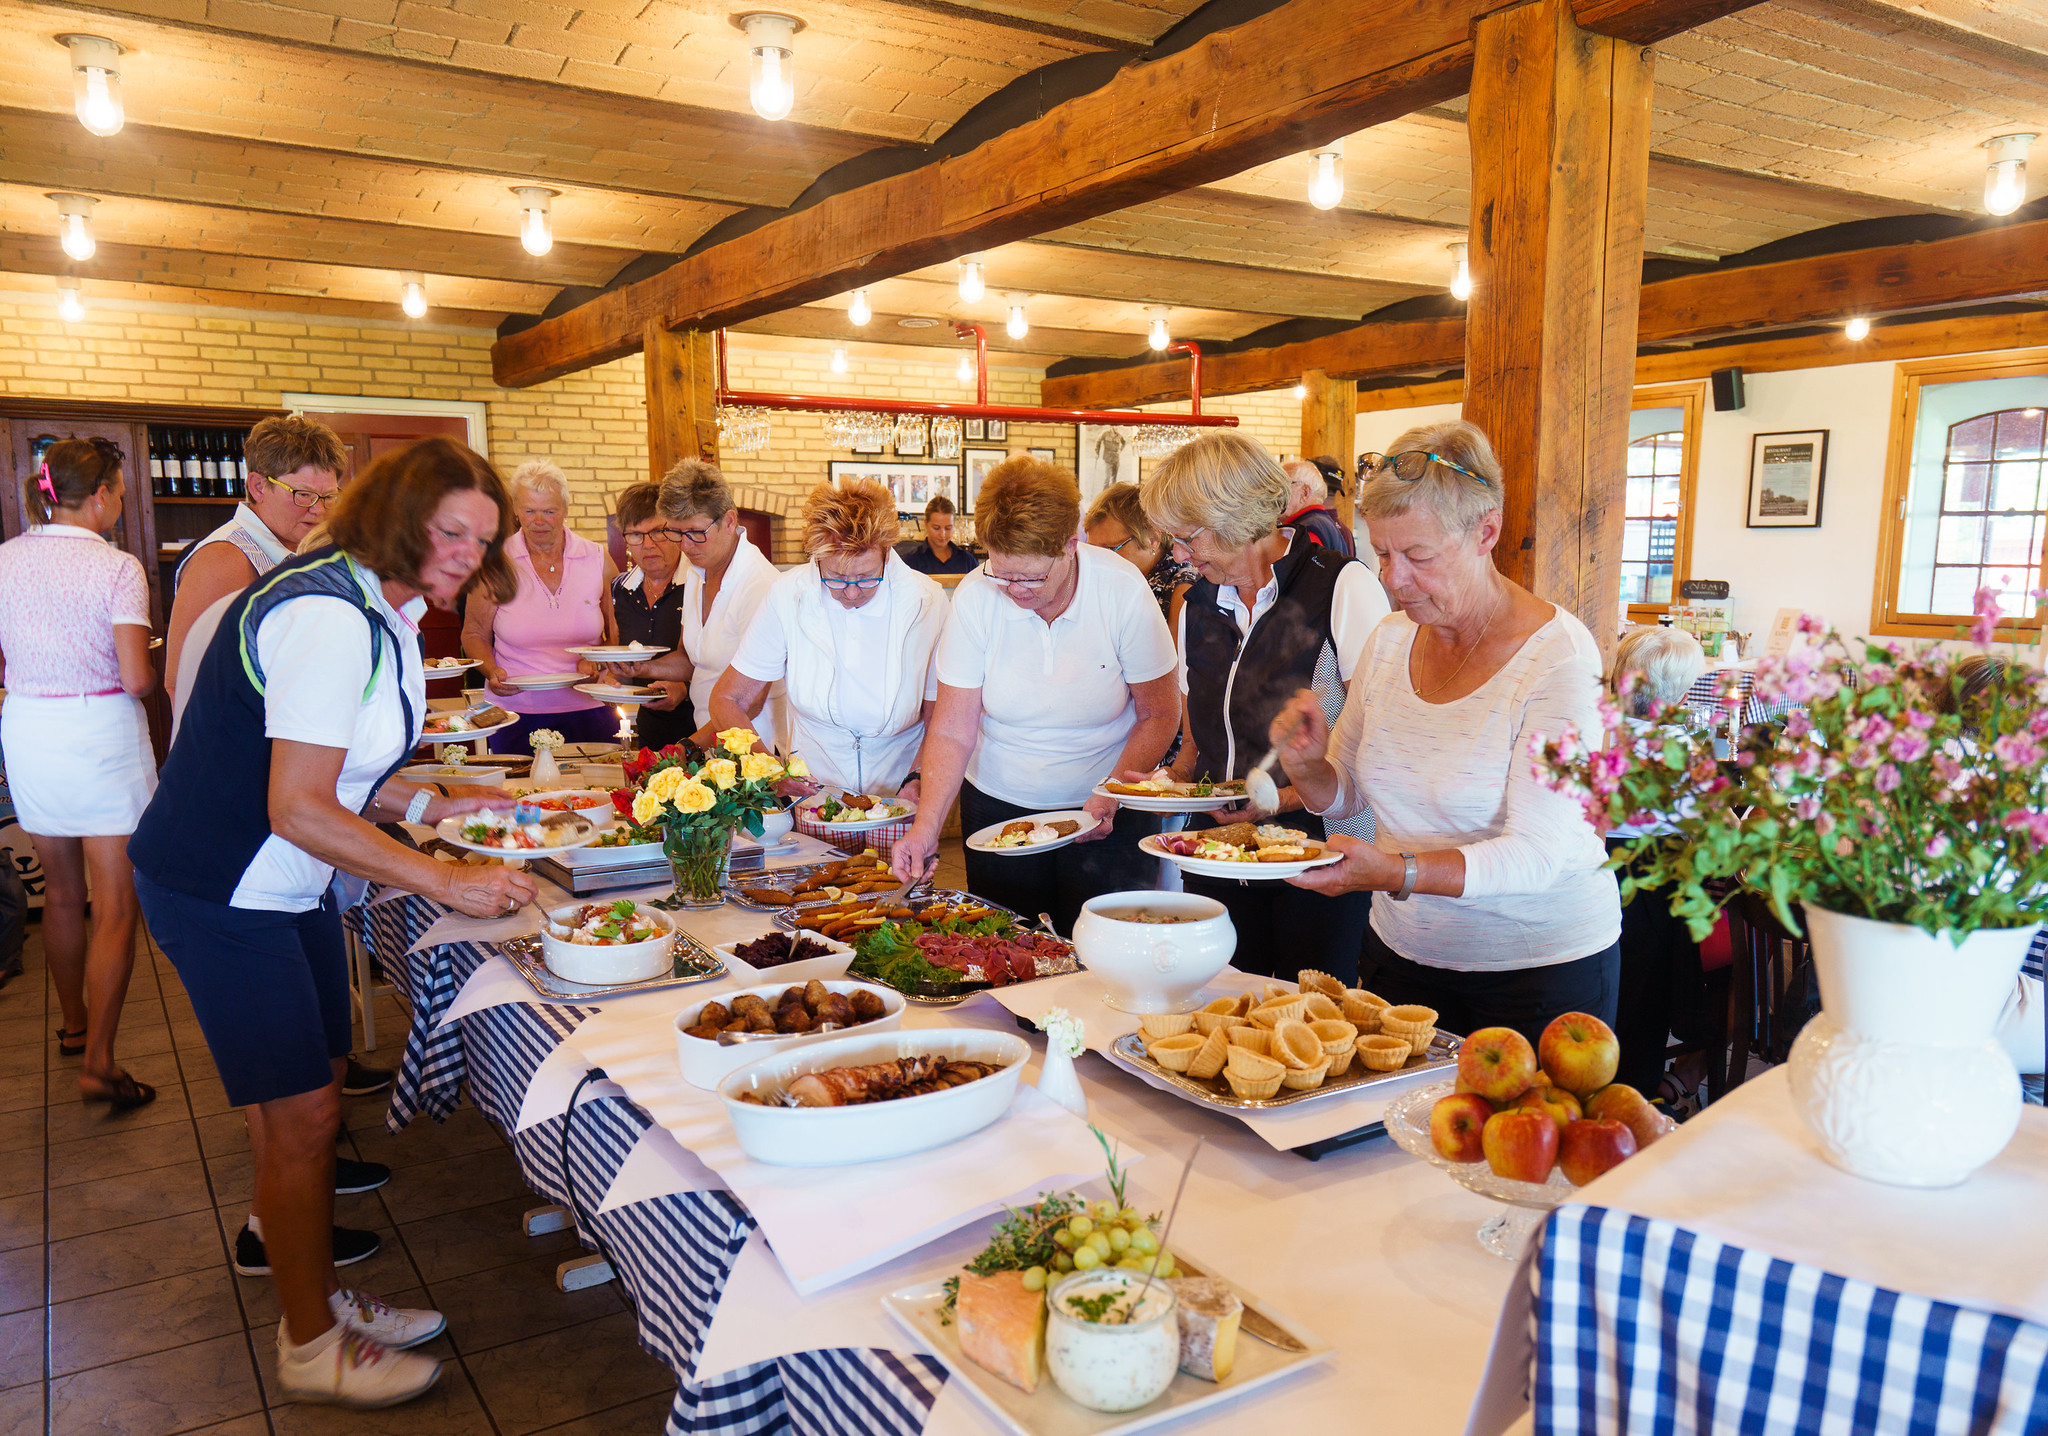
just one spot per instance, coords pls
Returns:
(544, 767)
(1058, 1080)
(1901, 1076)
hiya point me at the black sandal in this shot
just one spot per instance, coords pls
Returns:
(127, 1094)
(71, 1044)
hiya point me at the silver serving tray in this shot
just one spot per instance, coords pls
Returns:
(1048, 967)
(1215, 1092)
(782, 880)
(785, 917)
(693, 963)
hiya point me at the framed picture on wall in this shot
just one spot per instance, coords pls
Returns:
(975, 428)
(874, 448)
(1108, 455)
(1046, 456)
(1787, 473)
(913, 485)
(910, 438)
(998, 430)
(979, 462)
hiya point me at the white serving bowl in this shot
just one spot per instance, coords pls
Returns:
(873, 1131)
(1154, 966)
(825, 969)
(596, 966)
(706, 1064)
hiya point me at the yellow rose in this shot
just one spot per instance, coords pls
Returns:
(738, 740)
(646, 807)
(798, 768)
(694, 797)
(664, 783)
(759, 767)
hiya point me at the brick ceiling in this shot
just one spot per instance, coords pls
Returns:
(300, 152)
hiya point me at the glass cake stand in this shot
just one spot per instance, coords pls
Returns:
(1524, 1205)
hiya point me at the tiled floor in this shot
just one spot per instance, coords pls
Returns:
(118, 1310)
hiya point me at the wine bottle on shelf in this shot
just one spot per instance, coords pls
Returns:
(240, 440)
(156, 463)
(189, 451)
(209, 463)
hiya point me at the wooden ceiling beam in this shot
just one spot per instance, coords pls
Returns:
(1305, 72)
(2008, 262)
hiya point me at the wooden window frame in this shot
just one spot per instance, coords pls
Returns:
(1887, 618)
(1690, 397)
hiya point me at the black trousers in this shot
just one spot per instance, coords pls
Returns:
(1057, 882)
(1662, 987)
(1282, 928)
(1524, 998)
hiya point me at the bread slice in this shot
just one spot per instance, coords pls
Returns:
(1002, 1326)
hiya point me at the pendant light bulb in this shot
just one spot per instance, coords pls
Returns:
(771, 75)
(412, 294)
(858, 313)
(1018, 326)
(1461, 273)
(1160, 336)
(973, 284)
(1301, 391)
(964, 370)
(1857, 328)
(70, 308)
(74, 225)
(1326, 188)
(2005, 173)
(838, 361)
(96, 83)
(536, 236)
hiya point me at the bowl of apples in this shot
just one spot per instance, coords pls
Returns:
(1528, 1126)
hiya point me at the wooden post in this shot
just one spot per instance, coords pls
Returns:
(682, 397)
(1329, 425)
(1559, 123)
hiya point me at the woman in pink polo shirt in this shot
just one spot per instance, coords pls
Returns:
(74, 655)
(564, 601)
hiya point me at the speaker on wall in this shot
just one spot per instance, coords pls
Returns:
(1727, 389)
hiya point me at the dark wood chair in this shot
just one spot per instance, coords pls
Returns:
(1766, 1002)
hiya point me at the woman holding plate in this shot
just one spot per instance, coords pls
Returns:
(1055, 670)
(563, 601)
(308, 700)
(647, 607)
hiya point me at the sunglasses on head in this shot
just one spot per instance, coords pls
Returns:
(1410, 465)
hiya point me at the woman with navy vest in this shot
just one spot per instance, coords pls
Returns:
(1271, 614)
(309, 698)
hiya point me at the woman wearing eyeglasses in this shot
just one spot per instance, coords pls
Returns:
(1499, 910)
(647, 607)
(850, 634)
(1056, 670)
(295, 469)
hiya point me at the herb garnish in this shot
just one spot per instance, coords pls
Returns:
(1093, 1308)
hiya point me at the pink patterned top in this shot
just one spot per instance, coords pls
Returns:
(533, 633)
(62, 590)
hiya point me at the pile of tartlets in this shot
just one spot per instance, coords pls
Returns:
(1297, 1040)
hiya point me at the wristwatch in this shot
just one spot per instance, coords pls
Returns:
(1408, 871)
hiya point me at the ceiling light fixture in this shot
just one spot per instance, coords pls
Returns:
(964, 370)
(1461, 273)
(2005, 172)
(96, 83)
(1857, 328)
(771, 77)
(838, 361)
(412, 294)
(1301, 391)
(1018, 326)
(972, 281)
(535, 235)
(1160, 336)
(1326, 186)
(858, 312)
(74, 224)
(70, 308)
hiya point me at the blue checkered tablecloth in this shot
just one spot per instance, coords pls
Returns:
(1640, 1326)
(431, 1073)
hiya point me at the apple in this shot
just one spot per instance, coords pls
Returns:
(1629, 1107)
(1521, 1144)
(1561, 1106)
(1498, 1063)
(1598, 1144)
(1455, 1125)
(1580, 1052)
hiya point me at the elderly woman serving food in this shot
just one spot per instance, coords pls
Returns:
(1497, 909)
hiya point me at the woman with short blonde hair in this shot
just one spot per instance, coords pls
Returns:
(1667, 661)
(847, 640)
(1055, 671)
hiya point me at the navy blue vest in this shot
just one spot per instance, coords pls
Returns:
(211, 812)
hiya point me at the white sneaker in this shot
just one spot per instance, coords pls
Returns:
(345, 1368)
(390, 1326)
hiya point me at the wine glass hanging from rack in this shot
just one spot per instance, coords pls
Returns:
(742, 429)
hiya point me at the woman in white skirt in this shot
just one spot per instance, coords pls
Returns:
(74, 655)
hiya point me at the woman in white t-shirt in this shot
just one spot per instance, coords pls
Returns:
(1055, 671)
(850, 636)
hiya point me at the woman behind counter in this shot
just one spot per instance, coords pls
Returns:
(308, 700)
(647, 607)
(564, 601)
(1055, 670)
(1499, 909)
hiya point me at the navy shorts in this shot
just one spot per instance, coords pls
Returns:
(270, 989)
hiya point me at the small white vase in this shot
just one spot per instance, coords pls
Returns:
(1901, 1076)
(1058, 1080)
(544, 769)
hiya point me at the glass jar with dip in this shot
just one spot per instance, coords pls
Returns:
(1101, 1360)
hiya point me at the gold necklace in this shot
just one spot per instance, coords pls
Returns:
(1484, 629)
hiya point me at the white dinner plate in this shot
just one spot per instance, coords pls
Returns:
(467, 734)
(534, 682)
(808, 810)
(449, 831)
(984, 841)
(615, 653)
(1244, 872)
(593, 803)
(449, 670)
(1171, 805)
(618, 697)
